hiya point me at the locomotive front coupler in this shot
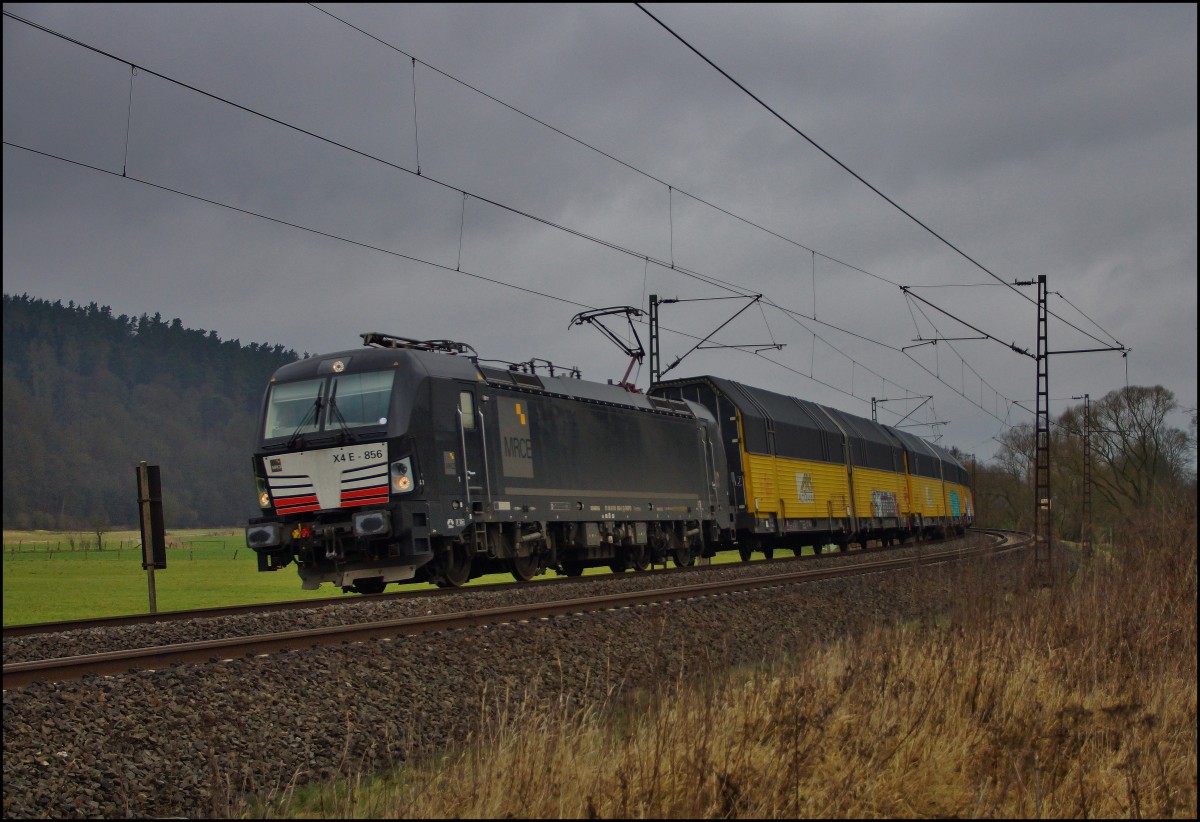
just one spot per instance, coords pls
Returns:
(330, 535)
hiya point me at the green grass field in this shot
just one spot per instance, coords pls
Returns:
(205, 568)
(49, 576)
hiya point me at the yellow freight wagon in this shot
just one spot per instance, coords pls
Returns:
(802, 474)
(797, 489)
(880, 495)
(927, 512)
(789, 485)
(878, 477)
(958, 501)
(931, 498)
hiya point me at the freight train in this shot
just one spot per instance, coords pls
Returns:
(415, 460)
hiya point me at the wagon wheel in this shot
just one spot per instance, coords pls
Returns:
(798, 550)
(525, 568)
(769, 553)
(639, 557)
(744, 552)
(572, 569)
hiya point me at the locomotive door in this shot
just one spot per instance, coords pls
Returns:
(471, 432)
(712, 502)
(731, 436)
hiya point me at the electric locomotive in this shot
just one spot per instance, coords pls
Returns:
(413, 460)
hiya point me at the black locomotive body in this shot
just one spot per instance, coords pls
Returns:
(408, 460)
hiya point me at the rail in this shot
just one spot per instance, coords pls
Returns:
(32, 628)
(19, 674)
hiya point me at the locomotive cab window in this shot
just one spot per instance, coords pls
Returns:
(466, 408)
(362, 399)
(294, 408)
(349, 400)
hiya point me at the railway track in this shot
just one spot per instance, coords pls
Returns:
(30, 629)
(19, 674)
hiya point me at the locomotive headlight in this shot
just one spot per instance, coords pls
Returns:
(372, 523)
(264, 497)
(402, 476)
(262, 536)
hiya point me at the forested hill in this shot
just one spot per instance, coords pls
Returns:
(88, 395)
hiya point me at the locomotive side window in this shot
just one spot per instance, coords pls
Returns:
(293, 408)
(466, 407)
(363, 399)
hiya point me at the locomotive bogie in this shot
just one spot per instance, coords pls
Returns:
(566, 548)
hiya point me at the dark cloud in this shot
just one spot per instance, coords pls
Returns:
(1039, 139)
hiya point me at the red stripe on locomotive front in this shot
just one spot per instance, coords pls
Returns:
(379, 490)
(296, 505)
(364, 496)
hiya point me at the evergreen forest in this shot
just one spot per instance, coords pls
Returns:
(88, 395)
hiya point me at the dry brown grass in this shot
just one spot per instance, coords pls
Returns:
(1079, 702)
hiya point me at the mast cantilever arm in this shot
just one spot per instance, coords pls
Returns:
(593, 317)
(679, 359)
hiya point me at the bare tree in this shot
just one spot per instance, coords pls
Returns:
(1004, 489)
(99, 528)
(1136, 454)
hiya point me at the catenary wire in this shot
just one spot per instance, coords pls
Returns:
(1012, 287)
(672, 188)
(714, 281)
(502, 206)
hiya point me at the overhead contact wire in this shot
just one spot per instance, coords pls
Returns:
(582, 235)
(652, 177)
(604, 153)
(851, 171)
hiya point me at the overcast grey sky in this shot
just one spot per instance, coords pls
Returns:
(1056, 140)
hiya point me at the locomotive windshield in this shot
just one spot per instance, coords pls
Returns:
(344, 400)
(362, 399)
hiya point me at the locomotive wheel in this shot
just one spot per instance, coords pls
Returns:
(524, 568)
(458, 566)
(683, 556)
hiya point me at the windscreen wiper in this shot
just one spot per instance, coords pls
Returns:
(337, 414)
(311, 415)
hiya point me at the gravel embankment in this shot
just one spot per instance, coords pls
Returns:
(182, 741)
(102, 640)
